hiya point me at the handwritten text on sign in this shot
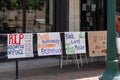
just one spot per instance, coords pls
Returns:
(97, 42)
(75, 42)
(20, 45)
(49, 44)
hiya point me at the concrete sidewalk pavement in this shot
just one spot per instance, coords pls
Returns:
(49, 69)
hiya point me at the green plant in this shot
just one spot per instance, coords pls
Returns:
(17, 4)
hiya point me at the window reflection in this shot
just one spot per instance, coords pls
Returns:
(11, 16)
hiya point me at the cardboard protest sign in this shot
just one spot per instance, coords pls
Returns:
(49, 44)
(75, 42)
(20, 45)
(97, 43)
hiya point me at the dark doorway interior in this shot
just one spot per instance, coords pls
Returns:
(93, 15)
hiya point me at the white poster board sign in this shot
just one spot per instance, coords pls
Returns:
(49, 44)
(20, 45)
(75, 42)
(118, 45)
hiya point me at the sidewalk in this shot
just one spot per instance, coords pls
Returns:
(49, 69)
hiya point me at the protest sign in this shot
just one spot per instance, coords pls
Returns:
(75, 42)
(19, 45)
(48, 44)
(97, 43)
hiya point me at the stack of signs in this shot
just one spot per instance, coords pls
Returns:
(97, 42)
(75, 42)
(49, 44)
(20, 45)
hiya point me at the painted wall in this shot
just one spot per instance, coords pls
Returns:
(74, 15)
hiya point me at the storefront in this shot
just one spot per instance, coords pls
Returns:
(78, 15)
(68, 17)
(63, 15)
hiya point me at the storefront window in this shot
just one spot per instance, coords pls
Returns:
(13, 16)
(52, 15)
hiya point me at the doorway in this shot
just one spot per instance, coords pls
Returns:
(93, 15)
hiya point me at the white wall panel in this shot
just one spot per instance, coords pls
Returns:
(74, 15)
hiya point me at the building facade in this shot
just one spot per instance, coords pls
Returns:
(77, 15)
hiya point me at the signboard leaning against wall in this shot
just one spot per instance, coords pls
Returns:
(97, 43)
(49, 44)
(20, 45)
